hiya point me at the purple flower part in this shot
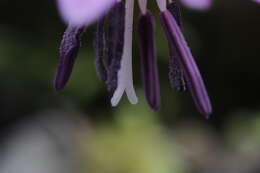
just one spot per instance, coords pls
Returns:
(83, 12)
(175, 10)
(100, 47)
(69, 49)
(146, 29)
(192, 74)
(257, 1)
(115, 43)
(201, 5)
(176, 74)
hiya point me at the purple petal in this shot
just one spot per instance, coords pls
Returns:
(149, 69)
(192, 74)
(83, 12)
(69, 48)
(115, 43)
(198, 4)
(100, 47)
(257, 1)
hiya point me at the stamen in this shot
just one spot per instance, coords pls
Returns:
(176, 74)
(175, 10)
(149, 68)
(125, 74)
(143, 6)
(115, 43)
(162, 4)
(192, 74)
(69, 48)
(100, 47)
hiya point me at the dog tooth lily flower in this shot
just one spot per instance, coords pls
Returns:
(113, 44)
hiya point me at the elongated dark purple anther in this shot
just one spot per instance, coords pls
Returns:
(100, 47)
(115, 43)
(192, 74)
(68, 52)
(176, 74)
(149, 67)
(175, 10)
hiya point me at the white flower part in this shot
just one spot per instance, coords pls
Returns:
(143, 6)
(125, 74)
(162, 4)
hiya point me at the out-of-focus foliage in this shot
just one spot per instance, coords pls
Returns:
(244, 133)
(133, 144)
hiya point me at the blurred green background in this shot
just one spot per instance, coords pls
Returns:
(225, 42)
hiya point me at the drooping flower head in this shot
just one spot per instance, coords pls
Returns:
(113, 44)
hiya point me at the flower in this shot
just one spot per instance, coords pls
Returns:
(113, 44)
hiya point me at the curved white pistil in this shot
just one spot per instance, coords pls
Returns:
(125, 74)
(143, 5)
(162, 4)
